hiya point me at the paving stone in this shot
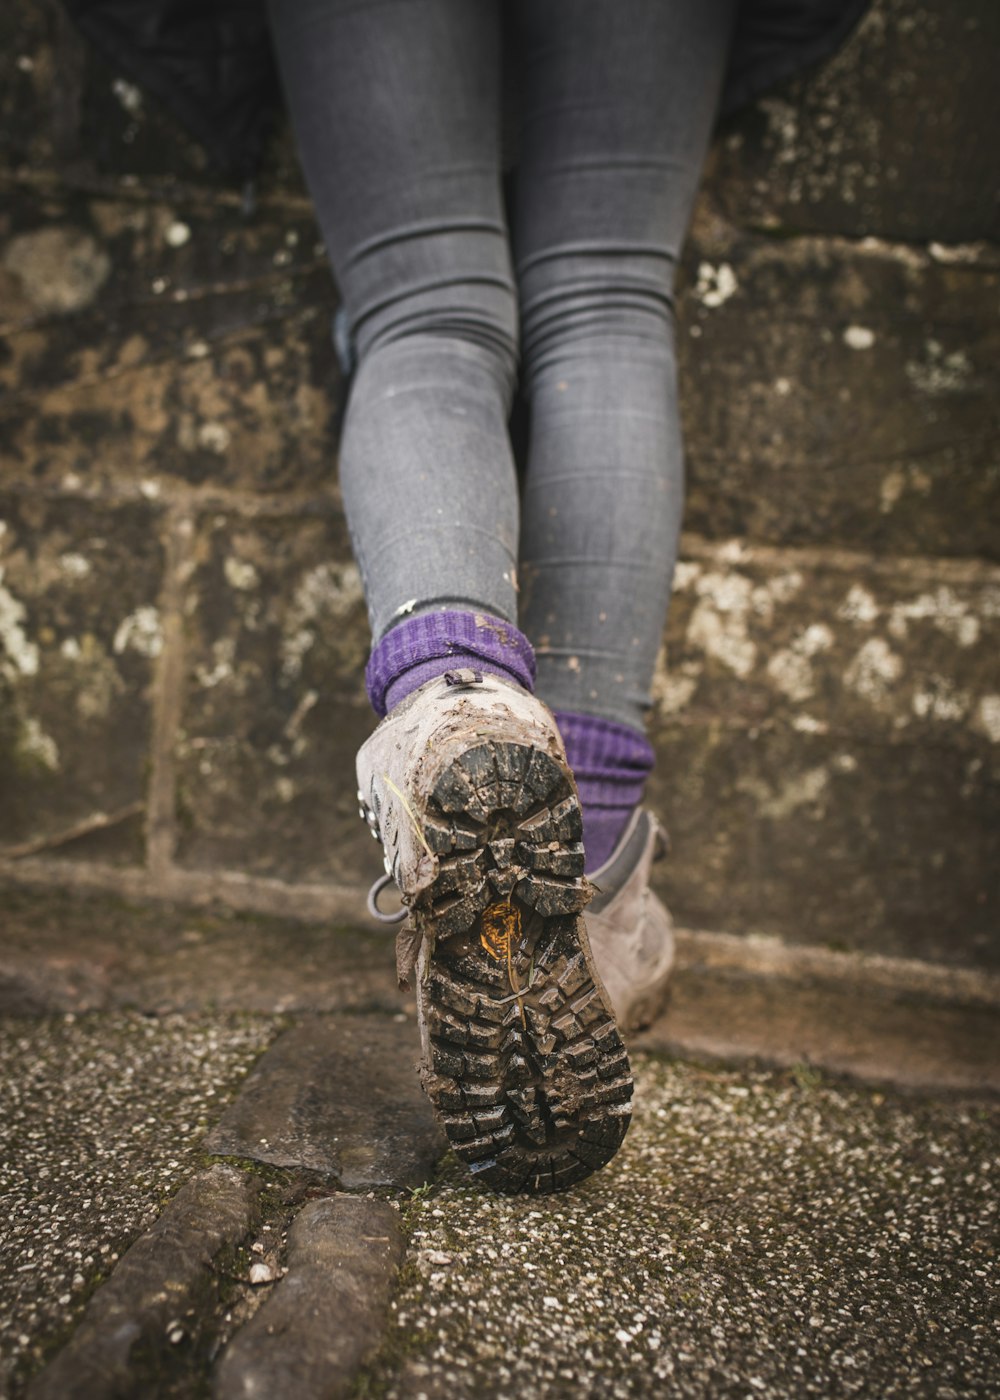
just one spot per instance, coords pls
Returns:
(275, 708)
(880, 140)
(80, 631)
(757, 1234)
(33, 985)
(165, 1272)
(874, 1034)
(838, 392)
(326, 1316)
(338, 1096)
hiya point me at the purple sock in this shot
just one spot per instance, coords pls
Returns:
(420, 648)
(611, 763)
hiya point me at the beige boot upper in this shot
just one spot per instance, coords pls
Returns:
(631, 932)
(402, 760)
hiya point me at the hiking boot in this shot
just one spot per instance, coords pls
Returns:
(466, 786)
(631, 932)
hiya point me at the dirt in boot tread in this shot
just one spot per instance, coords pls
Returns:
(525, 1065)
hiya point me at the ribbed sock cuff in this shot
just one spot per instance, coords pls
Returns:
(611, 763)
(420, 648)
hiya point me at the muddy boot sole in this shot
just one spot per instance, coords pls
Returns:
(523, 1061)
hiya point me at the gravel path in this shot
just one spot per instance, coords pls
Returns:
(758, 1234)
(101, 1119)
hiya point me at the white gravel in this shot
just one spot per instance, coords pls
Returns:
(758, 1235)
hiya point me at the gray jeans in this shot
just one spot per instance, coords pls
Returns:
(397, 110)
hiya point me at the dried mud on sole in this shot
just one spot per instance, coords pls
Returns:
(526, 1067)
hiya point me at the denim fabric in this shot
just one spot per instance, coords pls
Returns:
(396, 105)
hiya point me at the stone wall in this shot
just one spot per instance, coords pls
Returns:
(181, 625)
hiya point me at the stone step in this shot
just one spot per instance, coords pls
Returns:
(89, 959)
(846, 701)
(818, 839)
(878, 140)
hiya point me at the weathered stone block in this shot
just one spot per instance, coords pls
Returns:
(840, 393)
(62, 106)
(830, 645)
(338, 1096)
(872, 846)
(886, 138)
(154, 343)
(275, 706)
(828, 739)
(328, 1314)
(80, 632)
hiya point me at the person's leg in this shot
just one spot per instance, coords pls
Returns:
(619, 101)
(395, 108)
(465, 783)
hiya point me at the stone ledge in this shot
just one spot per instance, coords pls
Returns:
(761, 955)
(229, 888)
(121, 980)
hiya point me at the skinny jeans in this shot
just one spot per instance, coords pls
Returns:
(452, 297)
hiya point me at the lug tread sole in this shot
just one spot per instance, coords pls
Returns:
(527, 1071)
